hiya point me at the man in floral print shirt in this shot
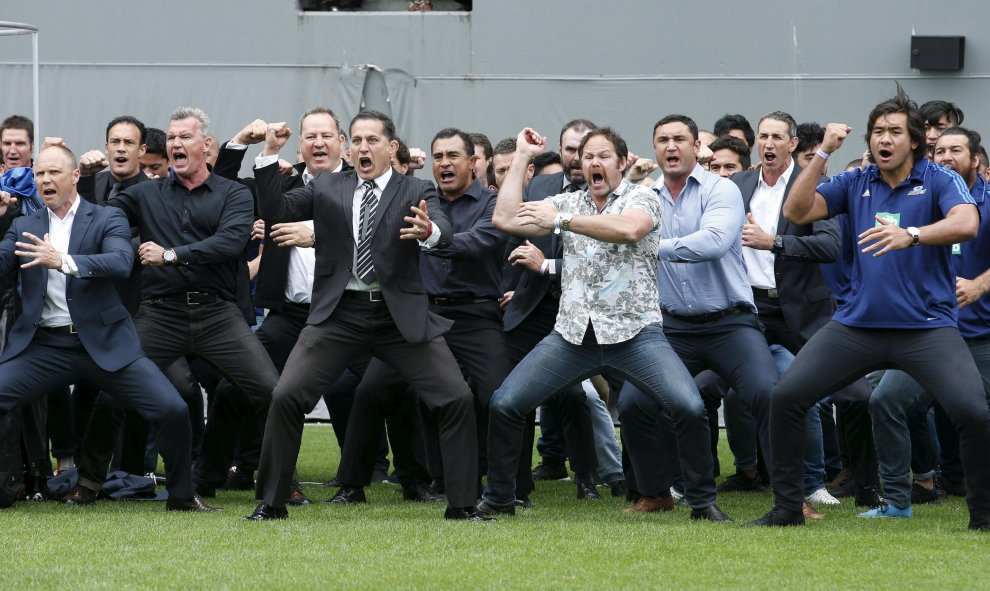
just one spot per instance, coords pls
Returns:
(609, 319)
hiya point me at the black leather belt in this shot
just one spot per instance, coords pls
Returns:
(770, 294)
(66, 329)
(459, 301)
(365, 296)
(189, 298)
(703, 318)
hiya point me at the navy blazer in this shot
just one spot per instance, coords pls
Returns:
(328, 200)
(805, 301)
(100, 245)
(530, 288)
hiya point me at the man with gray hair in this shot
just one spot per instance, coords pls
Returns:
(193, 228)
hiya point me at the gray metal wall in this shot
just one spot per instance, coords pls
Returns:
(507, 64)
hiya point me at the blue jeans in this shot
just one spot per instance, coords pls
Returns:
(740, 430)
(646, 360)
(607, 450)
(896, 394)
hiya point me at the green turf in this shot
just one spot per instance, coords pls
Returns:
(558, 544)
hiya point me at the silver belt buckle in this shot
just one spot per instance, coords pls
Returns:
(772, 293)
(189, 294)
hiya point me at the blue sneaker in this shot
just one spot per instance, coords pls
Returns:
(886, 510)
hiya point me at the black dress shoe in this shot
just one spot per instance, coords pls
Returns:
(466, 514)
(742, 483)
(421, 493)
(79, 495)
(205, 491)
(710, 513)
(238, 480)
(550, 471)
(194, 505)
(979, 525)
(488, 509)
(586, 490)
(332, 483)
(348, 495)
(868, 497)
(777, 518)
(265, 512)
(523, 503)
(619, 489)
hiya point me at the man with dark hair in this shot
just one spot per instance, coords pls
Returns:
(371, 225)
(16, 141)
(904, 214)
(809, 136)
(736, 126)
(531, 302)
(782, 259)
(73, 325)
(125, 146)
(154, 162)
(729, 156)
(609, 319)
(502, 159)
(462, 282)
(482, 148)
(939, 116)
(709, 316)
(547, 163)
(898, 394)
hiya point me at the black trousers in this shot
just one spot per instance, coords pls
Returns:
(478, 344)
(320, 356)
(56, 360)
(735, 349)
(838, 355)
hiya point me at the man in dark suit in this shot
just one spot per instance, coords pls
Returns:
(533, 278)
(73, 324)
(368, 297)
(791, 296)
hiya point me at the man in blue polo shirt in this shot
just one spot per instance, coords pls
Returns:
(957, 149)
(905, 214)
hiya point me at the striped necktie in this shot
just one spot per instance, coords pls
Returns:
(365, 268)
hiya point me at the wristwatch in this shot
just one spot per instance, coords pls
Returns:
(915, 235)
(169, 256)
(565, 221)
(778, 243)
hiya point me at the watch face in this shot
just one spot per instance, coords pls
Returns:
(169, 256)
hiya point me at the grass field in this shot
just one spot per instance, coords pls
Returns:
(558, 544)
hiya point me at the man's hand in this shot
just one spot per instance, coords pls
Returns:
(640, 168)
(92, 162)
(51, 141)
(6, 200)
(285, 167)
(969, 290)
(530, 143)
(835, 134)
(705, 155)
(527, 256)
(253, 133)
(503, 302)
(40, 250)
(886, 237)
(538, 213)
(753, 235)
(293, 234)
(151, 254)
(419, 224)
(417, 159)
(276, 135)
(253, 266)
(258, 230)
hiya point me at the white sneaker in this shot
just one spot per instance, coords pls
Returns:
(822, 497)
(677, 495)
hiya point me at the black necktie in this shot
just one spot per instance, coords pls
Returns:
(114, 190)
(572, 187)
(365, 268)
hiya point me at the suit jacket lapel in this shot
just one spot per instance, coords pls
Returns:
(782, 222)
(391, 189)
(80, 225)
(749, 188)
(344, 197)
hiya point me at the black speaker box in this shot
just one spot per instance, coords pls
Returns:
(937, 52)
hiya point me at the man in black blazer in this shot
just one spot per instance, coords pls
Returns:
(73, 325)
(368, 297)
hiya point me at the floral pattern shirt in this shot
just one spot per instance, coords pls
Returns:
(614, 286)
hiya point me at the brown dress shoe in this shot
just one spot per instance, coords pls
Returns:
(810, 512)
(651, 505)
(194, 504)
(79, 495)
(297, 497)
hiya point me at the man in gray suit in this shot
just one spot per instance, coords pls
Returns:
(368, 297)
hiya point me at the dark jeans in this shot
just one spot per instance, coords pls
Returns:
(838, 355)
(357, 328)
(56, 360)
(646, 360)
